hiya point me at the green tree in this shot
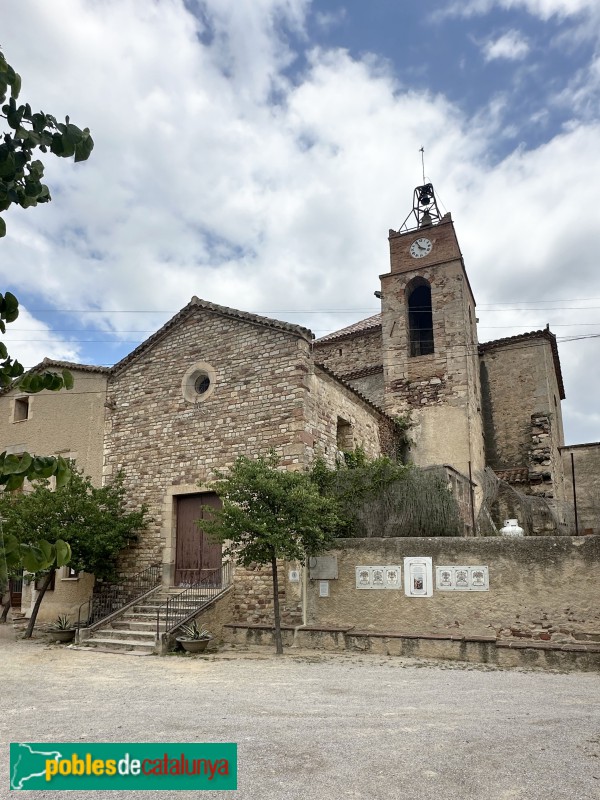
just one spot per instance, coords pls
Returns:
(24, 134)
(20, 174)
(93, 522)
(269, 514)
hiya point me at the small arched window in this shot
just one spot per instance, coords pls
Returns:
(420, 318)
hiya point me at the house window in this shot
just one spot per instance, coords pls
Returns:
(420, 318)
(68, 573)
(345, 436)
(21, 411)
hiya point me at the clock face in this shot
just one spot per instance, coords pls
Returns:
(420, 247)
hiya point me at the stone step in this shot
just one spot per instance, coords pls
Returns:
(134, 624)
(124, 645)
(133, 636)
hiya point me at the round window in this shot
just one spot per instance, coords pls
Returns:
(199, 382)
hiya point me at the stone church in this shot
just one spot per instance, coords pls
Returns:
(215, 383)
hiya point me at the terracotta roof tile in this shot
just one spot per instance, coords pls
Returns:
(513, 475)
(362, 326)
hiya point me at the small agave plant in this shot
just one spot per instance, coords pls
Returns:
(63, 623)
(193, 632)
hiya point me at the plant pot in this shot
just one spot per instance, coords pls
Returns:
(62, 636)
(193, 645)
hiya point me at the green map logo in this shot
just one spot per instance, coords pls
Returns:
(118, 765)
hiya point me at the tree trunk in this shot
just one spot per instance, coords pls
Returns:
(5, 610)
(278, 642)
(38, 603)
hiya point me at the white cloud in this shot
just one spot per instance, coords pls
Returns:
(543, 9)
(330, 19)
(511, 45)
(30, 341)
(217, 174)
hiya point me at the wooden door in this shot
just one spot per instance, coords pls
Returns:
(197, 557)
(15, 586)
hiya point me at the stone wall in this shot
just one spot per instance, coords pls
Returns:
(162, 441)
(522, 413)
(441, 389)
(586, 458)
(253, 595)
(369, 382)
(329, 402)
(348, 354)
(542, 588)
(265, 393)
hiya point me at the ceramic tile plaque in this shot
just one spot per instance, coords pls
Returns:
(462, 579)
(418, 576)
(384, 577)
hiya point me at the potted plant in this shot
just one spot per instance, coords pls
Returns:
(62, 630)
(193, 639)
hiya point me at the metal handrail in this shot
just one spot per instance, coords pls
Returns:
(187, 603)
(111, 599)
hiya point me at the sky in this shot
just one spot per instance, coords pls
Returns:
(255, 153)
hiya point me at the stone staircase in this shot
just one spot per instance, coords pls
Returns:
(134, 631)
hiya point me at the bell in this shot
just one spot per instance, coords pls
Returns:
(426, 220)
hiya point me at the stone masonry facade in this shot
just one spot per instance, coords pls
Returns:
(266, 395)
(521, 392)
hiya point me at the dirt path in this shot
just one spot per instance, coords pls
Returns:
(326, 727)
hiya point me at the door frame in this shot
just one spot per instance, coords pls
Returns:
(169, 525)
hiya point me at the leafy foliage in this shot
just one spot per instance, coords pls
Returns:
(94, 522)
(271, 512)
(20, 174)
(21, 184)
(268, 514)
(384, 498)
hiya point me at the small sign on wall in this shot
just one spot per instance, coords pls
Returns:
(376, 577)
(418, 576)
(323, 588)
(462, 579)
(294, 576)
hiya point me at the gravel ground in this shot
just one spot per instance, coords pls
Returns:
(320, 726)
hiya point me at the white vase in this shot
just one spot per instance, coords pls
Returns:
(512, 528)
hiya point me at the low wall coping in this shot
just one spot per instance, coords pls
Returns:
(455, 637)
(565, 646)
(514, 644)
(270, 627)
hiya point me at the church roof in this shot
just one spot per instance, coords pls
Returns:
(223, 311)
(362, 326)
(525, 339)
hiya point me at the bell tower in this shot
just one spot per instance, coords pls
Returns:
(430, 349)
